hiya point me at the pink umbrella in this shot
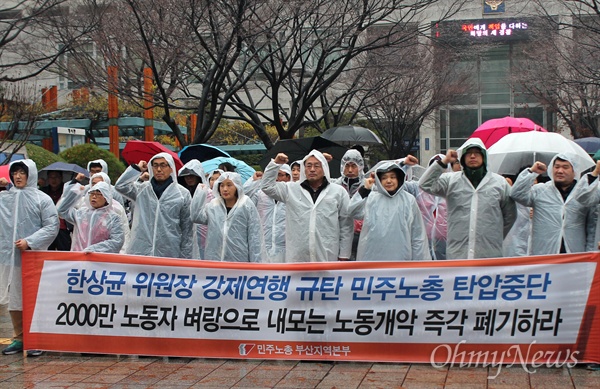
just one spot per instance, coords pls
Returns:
(4, 172)
(493, 130)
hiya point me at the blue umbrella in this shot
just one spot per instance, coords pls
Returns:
(69, 170)
(241, 167)
(201, 152)
(590, 144)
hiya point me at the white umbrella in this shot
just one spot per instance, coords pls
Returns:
(514, 151)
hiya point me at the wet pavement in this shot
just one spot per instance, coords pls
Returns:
(67, 370)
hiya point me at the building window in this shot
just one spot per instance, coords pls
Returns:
(493, 96)
(490, 49)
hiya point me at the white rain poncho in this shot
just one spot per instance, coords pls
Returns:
(28, 214)
(194, 168)
(351, 185)
(233, 236)
(116, 206)
(393, 229)
(478, 218)
(315, 231)
(161, 227)
(553, 218)
(588, 194)
(97, 230)
(116, 195)
(209, 197)
(518, 241)
(272, 218)
(435, 215)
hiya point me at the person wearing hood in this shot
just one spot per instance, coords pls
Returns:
(587, 192)
(352, 167)
(393, 229)
(100, 166)
(318, 227)
(98, 227)
(233, 233)
(116, 206)
(560, 223)
(272, 214)
(295, 166)
(162, 226)
(433, 210)
(480, 210)
(28, 221)
(190, 176)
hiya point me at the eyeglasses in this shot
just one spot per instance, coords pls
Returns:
(313, 166)
(95, 194)
(19, 173)
(160, 165)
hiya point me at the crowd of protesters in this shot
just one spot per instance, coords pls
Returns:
(296, 212)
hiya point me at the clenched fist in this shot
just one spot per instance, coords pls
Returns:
(539, 168)
(280, 159)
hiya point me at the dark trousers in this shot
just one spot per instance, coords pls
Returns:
(62, 241)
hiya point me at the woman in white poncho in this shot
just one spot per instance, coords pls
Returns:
(393, 229)
(234, 232)
(97, 226)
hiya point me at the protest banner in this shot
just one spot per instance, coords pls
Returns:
(540, 308)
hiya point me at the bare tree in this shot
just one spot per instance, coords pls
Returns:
(16, 110)
(191, 46)
(26, 47)
(313, 44)
(223, 29)
(265, 62)
(130, 35)
(562, 69)
(405, 88)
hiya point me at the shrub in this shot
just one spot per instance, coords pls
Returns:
(82, 154)
(41, 156)
(238, 133)
(251, 159)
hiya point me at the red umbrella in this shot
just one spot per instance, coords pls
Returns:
(138, 150)
(4, 172)
(492, 130)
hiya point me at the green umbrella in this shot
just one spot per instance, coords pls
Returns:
(596, 156)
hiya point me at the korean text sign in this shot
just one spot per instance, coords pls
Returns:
(384, 311)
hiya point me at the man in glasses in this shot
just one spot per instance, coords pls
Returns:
(161, 226)
(318, 225)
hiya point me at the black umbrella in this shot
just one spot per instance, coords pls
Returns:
(352, 135)
(69, 170)
(297, 149)
(201, 152)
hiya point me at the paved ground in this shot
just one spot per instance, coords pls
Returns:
(59, 370)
